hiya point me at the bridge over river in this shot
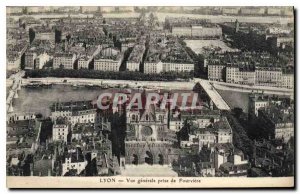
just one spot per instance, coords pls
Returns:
(16, 80)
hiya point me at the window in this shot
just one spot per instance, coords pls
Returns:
(161, 118)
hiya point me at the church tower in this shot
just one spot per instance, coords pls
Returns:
(148, 138)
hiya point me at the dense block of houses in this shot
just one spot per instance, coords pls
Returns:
(167, 57)
(60, 130)
(136, 56)
(240, 68)
(188, 27)
(64, 60)
(74, 112)
(278, 120)
(109, 59)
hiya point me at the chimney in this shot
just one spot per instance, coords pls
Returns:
(77, 154)
(101, 135)
(94, 143)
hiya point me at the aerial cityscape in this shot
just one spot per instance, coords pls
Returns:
(150, 91)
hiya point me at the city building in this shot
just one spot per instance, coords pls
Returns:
(148, 139)
(177, 60)
(30, 60)
(288, 80)
(208, 130)
(244, 75)
(87, 58)
(215, 72)
(13, 62)
(268, 76)
(261, 100)
(109, 59)
(169, 58)
(20, 116)
(21, 139)
(274, 10)
(205, 31)
(127, 43)
(190, 27)
(182, 31)
(64, 60)
(280, 41)
(75, 112)
(14, 10)
(230, 10)
(252, 10)
(60, 130)
(240, 68)
(15, 53)
(90, 9)
(278, 121)
(42, 60)
(153, 65)
(272, 158)
(83, 62)
(73, 164)
(257, 101)
(237, 165)
(229, 161)
(44, 33)
(135, 58)
(208, 31)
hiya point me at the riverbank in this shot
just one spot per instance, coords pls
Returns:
(111, 83)
(249, 89)
(158, 84)
(108, 75)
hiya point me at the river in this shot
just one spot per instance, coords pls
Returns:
(235, 99)
(161, 17)
(39, 99)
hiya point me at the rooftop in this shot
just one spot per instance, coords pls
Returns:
(246, 60)
(109, 53)
(137, 53)
(72, 106)
(278, 113)
(68, 55)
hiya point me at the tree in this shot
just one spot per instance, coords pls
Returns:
(142, 17)
(39, 115)
(68, 37)
(57, 36)
(31, 35)
(240, 138)
(153, 21)
(237, 112)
